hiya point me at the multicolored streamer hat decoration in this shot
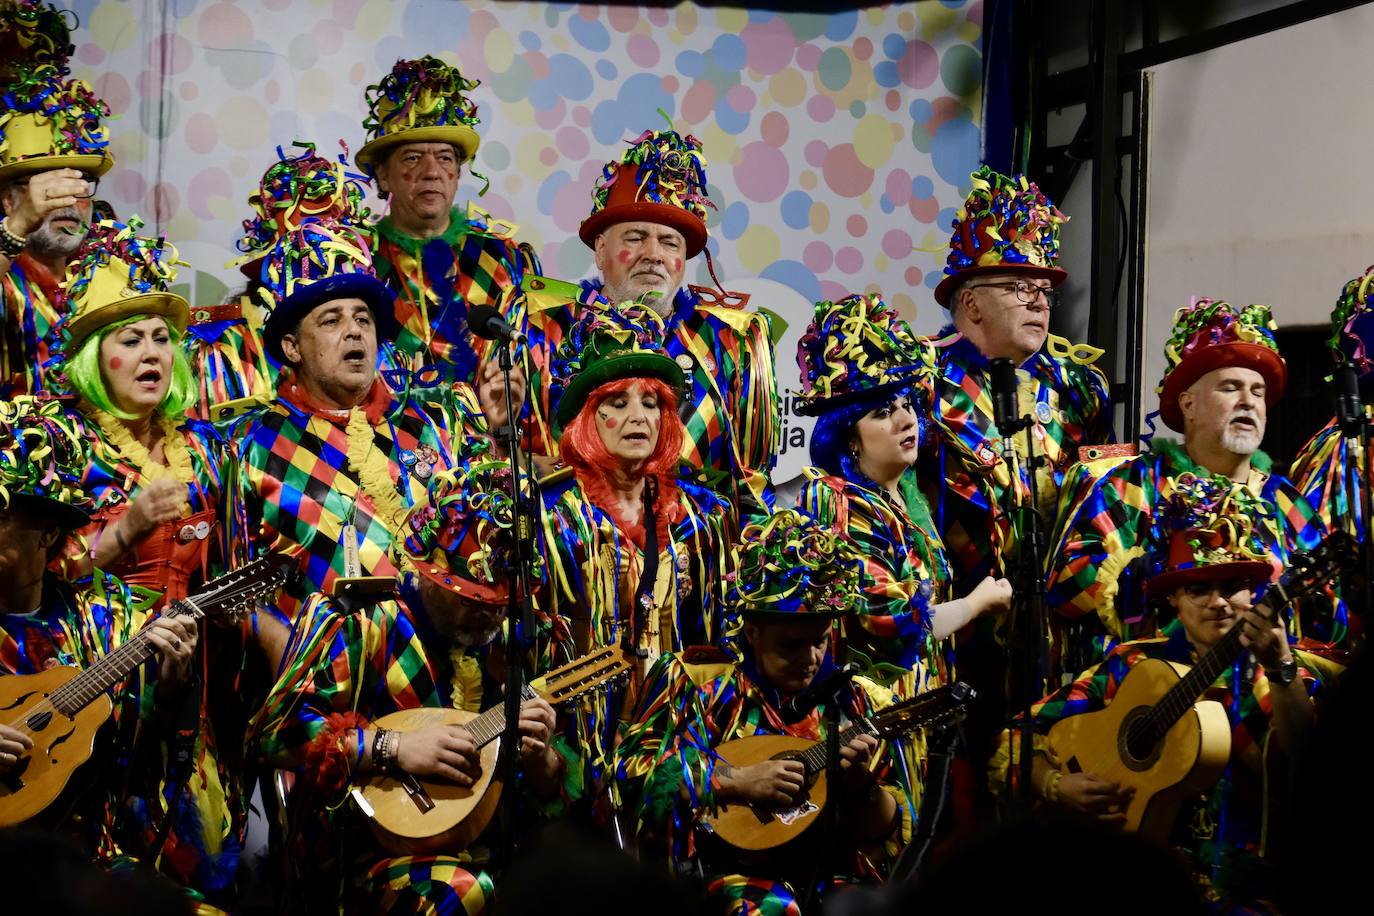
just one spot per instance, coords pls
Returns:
(47, 124)
(43, 454)
(660, 179)
(295, 189)
(462, 537)
(117, 274)
(857, 350)
(1005, 225)
(420, 101)
(791, 564)
(1210, 335)
(33, 35)
(605, 345)
(1352, 324)
(1206, 527)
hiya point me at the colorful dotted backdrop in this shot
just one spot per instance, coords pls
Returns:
(838, 146)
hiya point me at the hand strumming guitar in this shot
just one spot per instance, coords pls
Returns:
(13, 745)
(448, 751)
(1097, 797)
(772, 782)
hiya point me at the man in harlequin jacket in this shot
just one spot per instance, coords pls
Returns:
(438, 263)
(1224, 372)
(433, 645)
(648, 220)
(794, 580)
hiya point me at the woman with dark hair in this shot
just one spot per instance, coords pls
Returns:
(637, 557)
(866, 377)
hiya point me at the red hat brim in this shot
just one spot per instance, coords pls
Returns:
(692, 228)
(1256, 572)
(477, 591)
(1199, 362)
(1056, 276)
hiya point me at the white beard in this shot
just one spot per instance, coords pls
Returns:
(471, 640)
(1241, 443)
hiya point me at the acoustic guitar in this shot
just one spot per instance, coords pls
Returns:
(756, 827)
(413, 815)
(63, 708)
(1158, 736)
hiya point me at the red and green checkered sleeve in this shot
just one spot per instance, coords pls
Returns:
(753, 400)
(1324, 472)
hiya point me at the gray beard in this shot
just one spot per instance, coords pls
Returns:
(660, 302)
(1241, 443)
(471, 640)
(45, 241)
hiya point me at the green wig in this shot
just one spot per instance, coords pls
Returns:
(86, 379)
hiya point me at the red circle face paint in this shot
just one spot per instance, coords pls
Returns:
(623, 256)
(677, 265)
(116, 363)
(612, 422)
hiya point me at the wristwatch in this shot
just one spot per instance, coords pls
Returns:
(1285, 674)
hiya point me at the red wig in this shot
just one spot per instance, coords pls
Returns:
(583, 450)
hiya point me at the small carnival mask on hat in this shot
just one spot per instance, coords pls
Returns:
(43, 455)
(462, 537)
(117, 274)
(660, 179)
(1352, 325)
(419, 101)
(1210, 335)
(1006, 225)
(48, 124)
(605, 345)
(1205, 533)
(791, 564)
(858, 350)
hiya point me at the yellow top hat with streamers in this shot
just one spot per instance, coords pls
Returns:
(420, 101)
(47, 124)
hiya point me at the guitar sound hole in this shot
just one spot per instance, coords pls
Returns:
(1136, 742)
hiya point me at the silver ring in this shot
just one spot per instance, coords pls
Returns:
(176, 643)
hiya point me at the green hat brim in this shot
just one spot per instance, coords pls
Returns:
(96, 164)
(460, 135)
(611, 369)
(168, 305)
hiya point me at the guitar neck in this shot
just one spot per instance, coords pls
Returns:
(490, 725)
(813, 758)
(76, 694)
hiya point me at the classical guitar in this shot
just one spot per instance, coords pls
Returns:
(61, 709)
(755, 827)
(1158, 736)
(412, 815)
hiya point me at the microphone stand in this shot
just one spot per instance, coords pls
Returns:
(518, 613)
(833, 850)
(1028, 578)
(1353, 418)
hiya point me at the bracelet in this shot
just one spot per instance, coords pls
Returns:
(11, 244)
(379, 748)
(1049, 786)
(391, 746)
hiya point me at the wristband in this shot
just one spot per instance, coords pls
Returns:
(10, 244)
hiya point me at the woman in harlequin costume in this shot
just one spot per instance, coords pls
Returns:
(1224, 370)
(432, 646)
(636, 557)
(1207, 572)
(439, 263)
(793, 581)
(1327, 470)
(866, 378)
(328, 470)
(46, 620)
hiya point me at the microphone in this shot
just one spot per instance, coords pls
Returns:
(1002, 380)
(1349, 407)
(817, 692)
(484, 321)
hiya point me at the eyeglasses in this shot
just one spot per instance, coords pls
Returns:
(92, 187)
(1026, 292)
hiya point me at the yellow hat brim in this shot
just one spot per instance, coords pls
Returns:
(96, 164)
(168, 305)
(460, 135)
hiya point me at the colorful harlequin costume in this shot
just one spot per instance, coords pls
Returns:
(45, 124)
(350, 668)
(475, 261)
(725, 351)
(332, 487)
(789, 568)
(1205, 535)
(653, 583)
(119, 276)
(1109, 527)
(1006, 226)
(1327, 470)
(857, 356)
(43, 452)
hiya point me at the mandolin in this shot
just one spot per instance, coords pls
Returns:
(1158, 736)
(756, 827)
(411, 815)
(62, 709)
